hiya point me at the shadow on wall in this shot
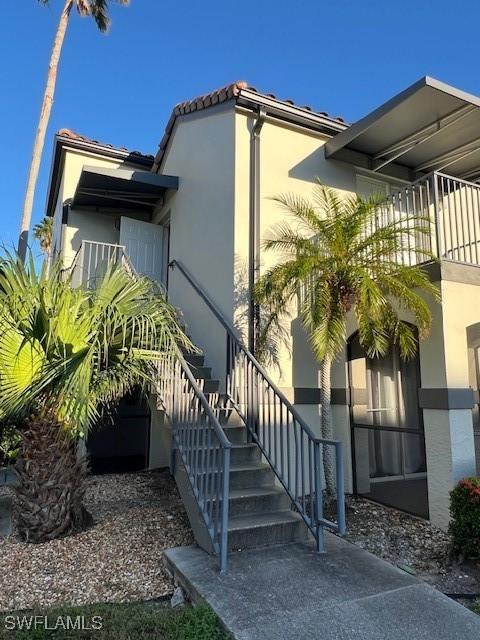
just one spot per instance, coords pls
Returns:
(278, 338)
(334, 173)
(93, 226)
(99, 225)
(305, 367)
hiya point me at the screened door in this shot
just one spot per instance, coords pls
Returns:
(387, 429)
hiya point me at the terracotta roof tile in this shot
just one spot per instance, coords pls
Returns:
(68, 133)
(218, 96)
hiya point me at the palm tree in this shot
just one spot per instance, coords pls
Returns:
(98, 10)
(43, 233)
(338, 260)
(66, 356)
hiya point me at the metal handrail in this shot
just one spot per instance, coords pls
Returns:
(196, 432)
(202, 445)
(287, 442)
(229, 328)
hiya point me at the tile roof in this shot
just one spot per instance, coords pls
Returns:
(218, 96)
(72, 135)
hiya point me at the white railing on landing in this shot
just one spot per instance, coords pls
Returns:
(92, 260)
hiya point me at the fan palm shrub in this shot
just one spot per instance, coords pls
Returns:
(337, 259)
(67, 355)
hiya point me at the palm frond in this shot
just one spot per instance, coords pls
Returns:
(346, 254)
(98, 9)
(66, 348)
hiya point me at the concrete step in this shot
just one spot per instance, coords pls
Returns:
(237, 434)
(240, 454)
(228, 417)
(261, 529)
(195, 359)
(257, 500)
(247, 476)
(201, 373)
(244, 454)
(208, 386)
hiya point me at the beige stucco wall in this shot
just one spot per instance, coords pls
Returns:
(290, 161)
(201, 153)
(445, 363)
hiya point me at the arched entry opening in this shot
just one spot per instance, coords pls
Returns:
(388, 442)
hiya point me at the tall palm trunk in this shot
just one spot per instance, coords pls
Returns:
(42, 129)
(326, 426)
(51, 482)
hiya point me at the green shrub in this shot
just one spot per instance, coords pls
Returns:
(9, 445)
(465, 518)
(476, 607)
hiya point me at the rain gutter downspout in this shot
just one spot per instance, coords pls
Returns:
(254, 226)
(67, 205)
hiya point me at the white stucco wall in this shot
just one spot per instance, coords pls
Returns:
(201, 153)
(291, 161)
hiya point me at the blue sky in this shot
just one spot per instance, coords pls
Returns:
(344, 57)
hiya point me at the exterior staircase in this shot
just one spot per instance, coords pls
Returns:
(248, 466)
(260, 510)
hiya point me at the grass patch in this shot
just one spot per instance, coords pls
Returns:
(107, 621)
(476, 607)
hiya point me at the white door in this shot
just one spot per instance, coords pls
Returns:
(143, 243)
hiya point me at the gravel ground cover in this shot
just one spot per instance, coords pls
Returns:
(119, 559)
(411, 543)
(137, 516)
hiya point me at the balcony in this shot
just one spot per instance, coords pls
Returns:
(421, 133)
(450, 210)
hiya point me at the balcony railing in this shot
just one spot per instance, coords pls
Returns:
(449, 209)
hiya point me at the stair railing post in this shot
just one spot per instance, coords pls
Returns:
(228, 365)
(340, 488)
(225, 500)
(318, 515)
(168, 385)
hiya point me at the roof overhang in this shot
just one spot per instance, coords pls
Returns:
(101, 187)
(429, 126)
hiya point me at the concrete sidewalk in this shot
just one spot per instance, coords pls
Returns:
(292, 593)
